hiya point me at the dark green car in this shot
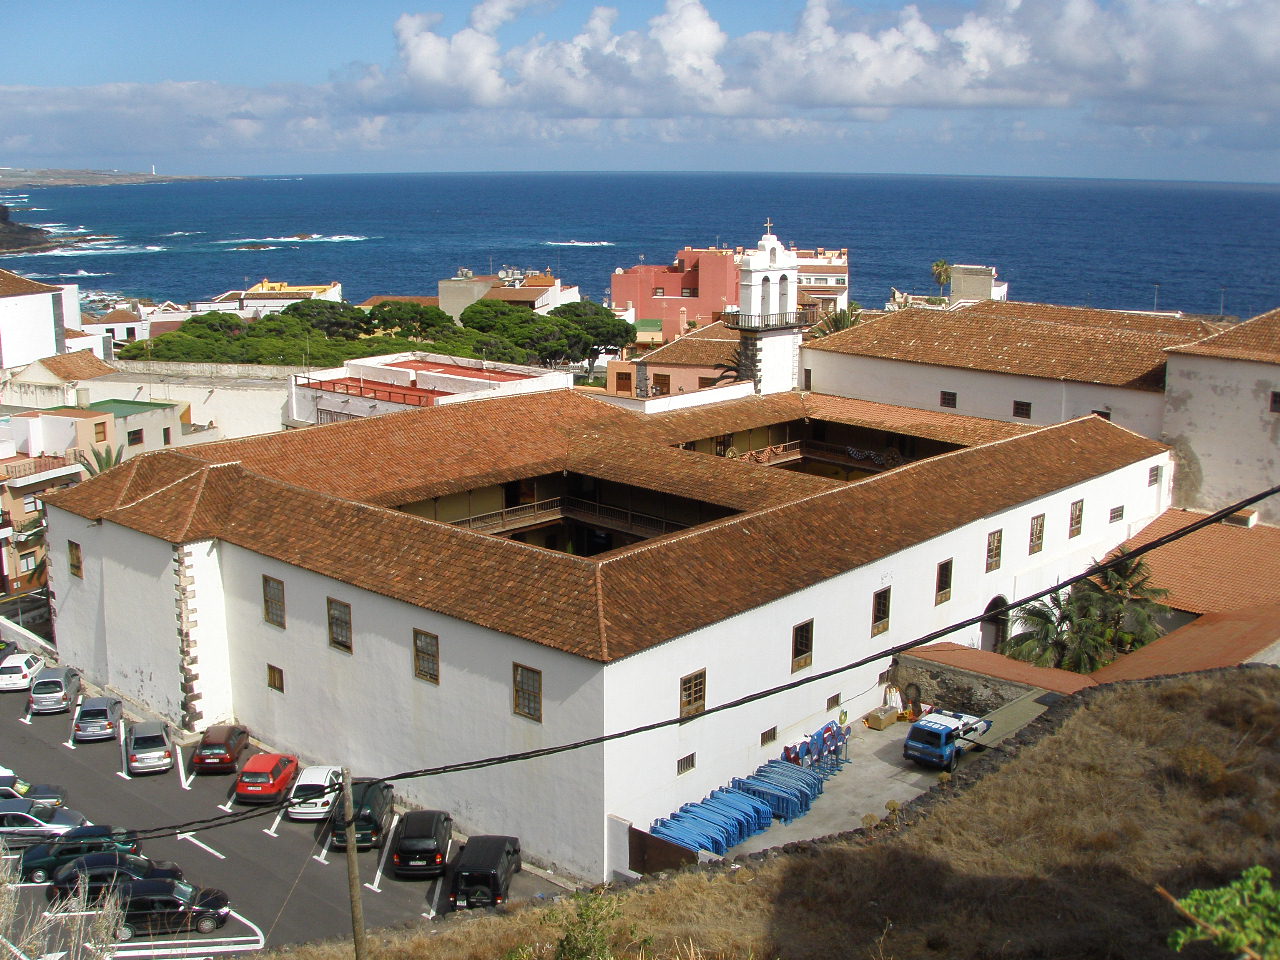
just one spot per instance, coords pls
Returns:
(40, 862)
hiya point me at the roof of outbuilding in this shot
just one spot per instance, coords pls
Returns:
(1224, 639)
(1114, 348)
(288, 495)
(990, 664)
(1256, 339)
(12, 285)
(78, 365)
(704, 347)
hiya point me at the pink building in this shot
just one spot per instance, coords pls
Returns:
(690, 291)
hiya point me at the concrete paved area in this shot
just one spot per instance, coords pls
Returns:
(878, 774)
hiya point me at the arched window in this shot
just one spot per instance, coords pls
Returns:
(766, 296)
(784, 295)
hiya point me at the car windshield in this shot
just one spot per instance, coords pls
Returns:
(155, 741)
(46, 686)
(930, 738)
(307, 791)
(93, 713)
(254, 777)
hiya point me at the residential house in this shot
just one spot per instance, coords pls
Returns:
(34, 318)
(52, 381)
(676, 297)
(539, 291)
(702, 358)
(267, 296)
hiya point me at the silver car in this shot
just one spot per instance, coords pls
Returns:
(54, 689)
(99, 718)
(23, 822)
(148, 747)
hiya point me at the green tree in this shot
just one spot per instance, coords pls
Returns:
(104, 458)
(737, 369)
(1067, 630)
(941, 274)
(333, 318)
(1241, 918)
(414, 320)
(489, 316)
(550, 339)
(605, 331)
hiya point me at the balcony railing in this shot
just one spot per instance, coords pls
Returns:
(769, 321)
(370, 390)
(34, 465)
(863, 458)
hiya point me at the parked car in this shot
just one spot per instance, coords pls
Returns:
(483, 871)
(23, 822)
(40, 862)
(18, 670)
(54, 690)
(44, 794)
(103, 871)
(152, 906)
(314, 793)
(420, 843)
(371, 805)
(99, 718)
(220, 748)
(148, 748)
(266, 778)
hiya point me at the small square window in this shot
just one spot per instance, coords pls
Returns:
(100, 432)
(769, 736)
(801, 645)
(659, 291)
(134, 437)
(1117, 513)
(880, 611)
(526, 683)
(273, 601)
(1022, 409)
(167, 436)
(685, 764)
(947, 398)
(426, 656)
(833, 701)
(275, 678)
(661, 384)
(339, 624)
(1077, 519)
(942, 583)
(75, 560)
(1155, 475)
(693, 694)
(31, 503)
(1275, 401)
(27, 562)
(1036, 543)
(994, 539)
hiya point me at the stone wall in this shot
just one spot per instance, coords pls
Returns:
(951, 688)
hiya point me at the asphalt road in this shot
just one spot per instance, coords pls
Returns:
(285, 885)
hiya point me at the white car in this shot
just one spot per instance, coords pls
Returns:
(18, 670)
(314, 793)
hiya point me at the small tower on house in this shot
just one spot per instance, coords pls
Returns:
(769, 323)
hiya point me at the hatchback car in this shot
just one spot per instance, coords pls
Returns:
(154, 906)
(220, 748)
(99, 718)
(40, 862)
(99, 872)
(54, 690)
(18, 670)
(44, 794)
(314, 793)
(23, 822)
(420, 843)
(148, 748)
(266, 778)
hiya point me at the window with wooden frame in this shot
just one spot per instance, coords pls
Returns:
(1022, 409)
(687, 763)
(1077, 519)
(1154, 476)
(661, 384)
(994, 539)
(75, 559)
(275, 678)
(693, 694)
(426, 656)
(705, 382)
(27, 562)
(100, 432)
(880, 611)
(1036, 542)
(768, 736)
(942, 583)
(1117, 514)
(947, 398)
(801, 645)
(134, 437)
(526, 685)
(273, 600)
(833, 701)
(339, 624)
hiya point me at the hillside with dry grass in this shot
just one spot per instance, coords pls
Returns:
(1049, 848)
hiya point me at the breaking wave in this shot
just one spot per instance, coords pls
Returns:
(95, 250)
(183, 233)
(577, 243)
(300, 238)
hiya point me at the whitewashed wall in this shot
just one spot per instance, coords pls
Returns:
(1218, 417)
(240, 409)
(979, 393)
(207, 631)
(27, 329)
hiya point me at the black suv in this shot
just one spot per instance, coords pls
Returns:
(420, 843)
(482, 873)
(102, 871)
(371, 803)
(153, 906)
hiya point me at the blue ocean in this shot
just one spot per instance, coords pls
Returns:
(1197, 247)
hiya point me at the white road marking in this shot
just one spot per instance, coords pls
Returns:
(434, 907)
(124, 763)
(27, 718)
(272, 831)
(324, 851)
(202, 846)
(226, 807)
(376, 886)
(182, 770)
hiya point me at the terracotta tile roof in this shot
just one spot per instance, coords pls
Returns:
(79, 365)
(288, 495)
(1257, 339)
(392, 298)
(1034, 340)
(159, 327)
(119, 315)
(72, 334)
(12, 285)
(990, 664)
(1215, 640)
(1215, 569)
(516, 294)
(704, 347)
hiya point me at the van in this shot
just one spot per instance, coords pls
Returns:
(482, 873)
(371, 805)
(54, 690)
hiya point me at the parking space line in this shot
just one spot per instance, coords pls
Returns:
(202, 846)
(124, 763)
(27, 718)
(376, 886)
(434, 907)
(271, 832)
(226, 807)
(324, 851)
(182, 771)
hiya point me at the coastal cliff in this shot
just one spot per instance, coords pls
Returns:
(15, 237)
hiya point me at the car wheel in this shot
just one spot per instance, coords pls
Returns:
(125, 932)
(38, 876)
(206, 924)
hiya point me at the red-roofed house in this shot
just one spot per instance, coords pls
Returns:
(34, 318)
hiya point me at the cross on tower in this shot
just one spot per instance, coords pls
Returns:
(768, 224)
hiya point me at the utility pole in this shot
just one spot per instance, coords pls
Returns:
(353, 867)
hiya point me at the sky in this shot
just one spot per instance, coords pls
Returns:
(1136, 89)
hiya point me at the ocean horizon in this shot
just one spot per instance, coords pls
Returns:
(1196, 246)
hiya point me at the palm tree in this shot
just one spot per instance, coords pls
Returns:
(104, 458)
(1133, 601)
(836, 321)
(941, 274)
(738, 368)
(1065, 630)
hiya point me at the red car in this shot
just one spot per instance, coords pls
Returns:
(219, 749)
(266, 778)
